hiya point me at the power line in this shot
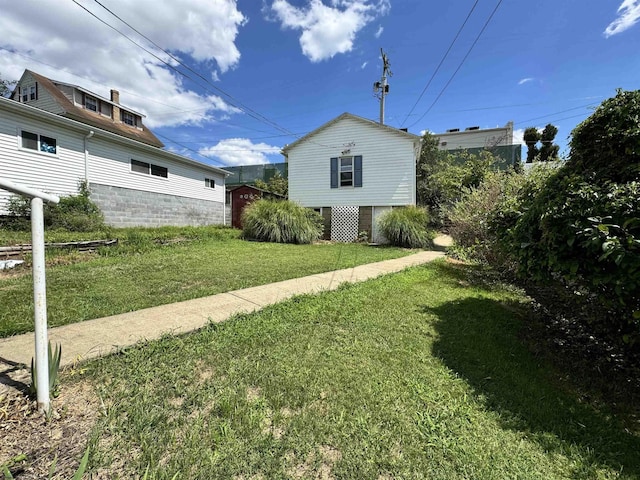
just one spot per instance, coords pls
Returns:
(231, 100)
(461, 63)
(441, 62)
(557, 113)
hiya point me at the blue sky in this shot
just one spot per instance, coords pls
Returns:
(260, 74)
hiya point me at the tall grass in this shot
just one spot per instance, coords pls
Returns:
(281, 221)
(406, 227)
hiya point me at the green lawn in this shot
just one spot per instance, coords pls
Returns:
(149, 269)
(418, 375)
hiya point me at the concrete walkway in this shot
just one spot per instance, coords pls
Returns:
(93, 338)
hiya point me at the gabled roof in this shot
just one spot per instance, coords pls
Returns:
(74, 112)
(26, 110)
(363, 120)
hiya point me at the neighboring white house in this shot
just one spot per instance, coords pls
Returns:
(53, 135)
(351, 170)
(476, 137)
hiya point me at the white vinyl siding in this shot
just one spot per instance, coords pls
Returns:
(388, 166)
(109, 162)
(57, 174)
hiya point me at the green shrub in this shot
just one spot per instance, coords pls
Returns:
(281, 221)
(606, 146)
(482, 220)
(75, 213)
(583, 227)
(406, 227)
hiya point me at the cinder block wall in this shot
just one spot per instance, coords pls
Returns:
(124, 207)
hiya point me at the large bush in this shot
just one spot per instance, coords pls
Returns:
(406, 227)
(442, 178)
(481, 222)
(583, 228)
(281, 221)
(606, 146)
(75, 213)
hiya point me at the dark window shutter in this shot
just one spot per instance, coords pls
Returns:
(36, 90)
(357, 171)
(334, 172)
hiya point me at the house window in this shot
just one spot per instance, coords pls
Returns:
(33, 93)
(346, 172)
(25, 94)
(149, 169)
(90, 103)
(128, 118)
(209, 183)
(40, 143)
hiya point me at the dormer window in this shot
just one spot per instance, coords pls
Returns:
(128, 118)
(90, 103)
(33, 93)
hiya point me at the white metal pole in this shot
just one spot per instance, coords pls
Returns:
(40, 304)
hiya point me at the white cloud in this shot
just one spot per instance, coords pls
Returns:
(328, 29)
(379, 31)
(525, 80)
(240, 151)
(76, 48)
(364, 64)
(628, 16)
(518, 136)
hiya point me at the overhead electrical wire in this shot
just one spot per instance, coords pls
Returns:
(444, 57)
(209, 85)
(486, 24)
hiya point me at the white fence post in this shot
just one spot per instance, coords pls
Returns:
(40, 303)
(39, 286)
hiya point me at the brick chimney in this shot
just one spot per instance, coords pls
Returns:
(115, 98)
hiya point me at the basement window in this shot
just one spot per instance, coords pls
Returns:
(39, 143)
(209, 183)
(149, 169)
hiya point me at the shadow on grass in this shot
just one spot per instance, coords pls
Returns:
(478, 340)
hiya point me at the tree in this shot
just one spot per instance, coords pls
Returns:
(6, 87)
(276, 184)
(549, 150)
(531, 138)
(442, 179)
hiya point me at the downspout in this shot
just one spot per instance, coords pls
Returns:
(86, 156)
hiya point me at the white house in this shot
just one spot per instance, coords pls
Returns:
(53, 135)
(476, 137)
(351, 170)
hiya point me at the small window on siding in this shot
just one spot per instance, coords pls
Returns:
(209, 183)
(159, 171)
(41, 143)
(346, 172)
(140, 167)
(149, 169)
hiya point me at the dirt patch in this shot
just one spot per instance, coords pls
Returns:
(31, 441)
(253, 394)
(318, 464)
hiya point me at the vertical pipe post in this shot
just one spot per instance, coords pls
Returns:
(40, 304)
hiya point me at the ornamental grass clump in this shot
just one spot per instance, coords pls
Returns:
(281, 221)
(406, 227)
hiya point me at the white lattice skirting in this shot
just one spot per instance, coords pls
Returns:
(344, 223)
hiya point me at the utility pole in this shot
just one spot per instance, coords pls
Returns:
(381, 88)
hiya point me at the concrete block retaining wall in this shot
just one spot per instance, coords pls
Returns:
(125, 207)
